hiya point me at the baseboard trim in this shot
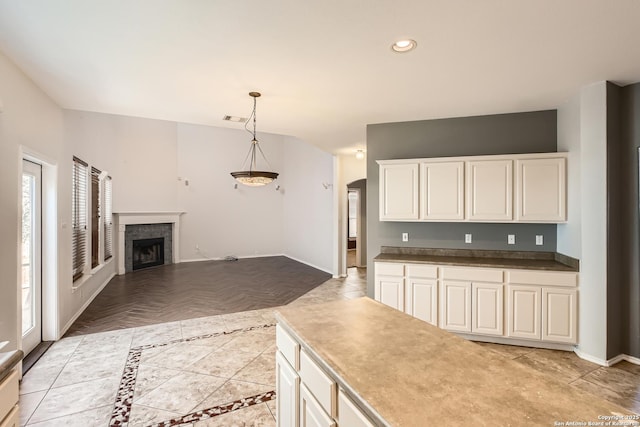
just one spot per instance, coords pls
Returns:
(239, 257)
(589, 358)
(310, 265)
(85, 305)
(621, 357)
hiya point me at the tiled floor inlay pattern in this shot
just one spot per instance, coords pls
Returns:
(126, 391)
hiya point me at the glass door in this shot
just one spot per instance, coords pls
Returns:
(31, 256)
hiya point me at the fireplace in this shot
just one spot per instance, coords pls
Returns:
(148, 253)
(147, 245)
(146, 225)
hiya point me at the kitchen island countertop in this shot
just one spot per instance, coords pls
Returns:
(404, 372)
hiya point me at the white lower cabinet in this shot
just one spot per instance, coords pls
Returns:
(421, 299)
(487, 308)
(537, 305)
(288, 392)
(472, 307)
(559, 315)
(389, 290)
(350, 415)
(524, 312)
(307, 395)
(455, 306)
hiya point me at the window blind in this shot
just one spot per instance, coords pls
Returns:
(108, 219)
(79, 217)
(95, 217)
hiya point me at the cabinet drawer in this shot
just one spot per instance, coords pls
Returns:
(12, 419)
(8, 392)
(422, 271)
(473, 274)
(542, 278)
(389, 269)
(289, 348)
(321, 386)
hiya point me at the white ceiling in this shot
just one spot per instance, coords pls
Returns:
(325, 68)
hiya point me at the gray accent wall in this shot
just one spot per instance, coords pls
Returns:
(530, 132)
(627, 291)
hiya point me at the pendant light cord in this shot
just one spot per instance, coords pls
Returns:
(254, 142)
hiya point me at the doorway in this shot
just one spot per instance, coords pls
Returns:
(31, 256)
(356, 224)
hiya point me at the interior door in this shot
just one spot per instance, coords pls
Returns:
(31, 256)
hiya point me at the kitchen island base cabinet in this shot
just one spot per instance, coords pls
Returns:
(288, 386)
(350, 415)
(307, 395)
(311, 413)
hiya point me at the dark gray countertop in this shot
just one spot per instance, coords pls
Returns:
(8, 360)
(552, 261)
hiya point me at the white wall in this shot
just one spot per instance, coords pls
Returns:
(219, 219)
(29, 120)
(593, 263)
(140, 155)
(569, 241)
(309, 207)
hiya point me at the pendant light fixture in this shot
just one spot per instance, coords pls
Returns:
(253, 177)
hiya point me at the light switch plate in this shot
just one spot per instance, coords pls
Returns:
(467, 238)
(539, 240)
(511, 239)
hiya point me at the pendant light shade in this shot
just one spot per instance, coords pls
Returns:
(253, 177)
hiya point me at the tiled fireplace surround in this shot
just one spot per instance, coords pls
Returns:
(148, 224)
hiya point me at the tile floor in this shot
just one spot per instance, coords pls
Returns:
(219, 371)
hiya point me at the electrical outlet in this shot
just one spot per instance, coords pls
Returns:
(405, 237)
(511, 239)
(539, 240)
(467, 238)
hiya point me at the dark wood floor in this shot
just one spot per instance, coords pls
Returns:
(196, 289)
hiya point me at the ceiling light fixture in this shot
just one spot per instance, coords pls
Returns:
(253, 177)
(359, 154)
(402, 46)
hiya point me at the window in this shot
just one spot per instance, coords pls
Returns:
(79, 217)
(108, 219)
(95, 217)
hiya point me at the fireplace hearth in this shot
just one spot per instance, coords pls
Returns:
(148, 253)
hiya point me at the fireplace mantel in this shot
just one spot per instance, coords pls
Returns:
(122, 219)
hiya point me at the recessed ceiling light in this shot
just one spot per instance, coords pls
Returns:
(404, 45)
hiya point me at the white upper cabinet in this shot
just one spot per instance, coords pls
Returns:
(442, 191)
(399, 192)
(501, 188)
(541, 190)
(489, 190)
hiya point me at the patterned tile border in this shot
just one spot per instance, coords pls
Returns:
(124, 397)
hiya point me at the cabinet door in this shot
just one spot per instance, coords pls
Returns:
(399, 192)
(421, 299)
(287, 390)
(488, 308)
(541, 190)
(349, 415)
(442, 191)
(311, 413)
(489, 190)
(389, 290)
(455, 306)
(559, 317)
(524, 311)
